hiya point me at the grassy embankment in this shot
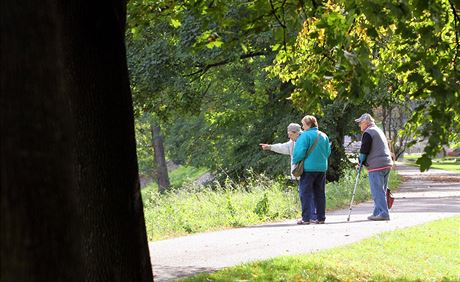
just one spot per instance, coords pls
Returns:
(192, 209)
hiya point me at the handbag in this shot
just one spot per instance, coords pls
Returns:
(390, 198)
(297, 171)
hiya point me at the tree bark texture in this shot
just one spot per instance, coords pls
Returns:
(161, 174)
(338, 156)
(70, 205)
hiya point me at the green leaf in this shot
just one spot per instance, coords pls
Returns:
(244, 48)
(212, 44)
(425, 162)
(276, 47)
(176, 23)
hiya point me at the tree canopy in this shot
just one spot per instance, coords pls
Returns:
(333, 59)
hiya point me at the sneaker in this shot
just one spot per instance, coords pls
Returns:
(316, 221)
(301, 222)
(377, 217)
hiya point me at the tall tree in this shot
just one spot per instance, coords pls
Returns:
(184, 72)
(350, 47)
(70, 206)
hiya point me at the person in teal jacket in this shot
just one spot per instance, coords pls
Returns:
(313, 180)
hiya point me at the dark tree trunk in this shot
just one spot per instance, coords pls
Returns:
(70, 206)
(161, 174)
(384, 120)
(390, 125)
(340, 119)
(338, 158)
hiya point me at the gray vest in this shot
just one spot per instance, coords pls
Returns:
(380, 154)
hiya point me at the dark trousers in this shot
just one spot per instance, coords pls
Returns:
(312, 195)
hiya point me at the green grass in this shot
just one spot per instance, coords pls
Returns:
(338, 194)
(185, 174)
(447, 166)
(429, 252)
(194, 209)
(448, 163)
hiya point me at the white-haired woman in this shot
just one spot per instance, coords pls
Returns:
(293, 131)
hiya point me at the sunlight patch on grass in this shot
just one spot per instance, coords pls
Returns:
(448, 163)
(178, 177)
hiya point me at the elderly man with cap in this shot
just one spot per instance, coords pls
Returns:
(293, 131)
(376, 156)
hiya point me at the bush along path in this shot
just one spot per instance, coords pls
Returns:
(422, 197)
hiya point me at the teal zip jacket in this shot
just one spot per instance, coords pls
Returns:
(317, 160)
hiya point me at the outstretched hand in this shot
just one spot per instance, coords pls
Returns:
(265, 146)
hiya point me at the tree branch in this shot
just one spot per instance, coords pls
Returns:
(284, 29)
(275, 15)
(302, 5)
(203, 68)
(315, 5)
(456, 23)
(282, 24)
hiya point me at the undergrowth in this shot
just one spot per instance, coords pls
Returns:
(258, 199)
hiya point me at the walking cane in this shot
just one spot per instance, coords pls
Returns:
(354, 191)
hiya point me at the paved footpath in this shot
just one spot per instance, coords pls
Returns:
(422, 197)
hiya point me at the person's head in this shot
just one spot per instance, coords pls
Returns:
(309, 122)
(293, 131)
(364, 121)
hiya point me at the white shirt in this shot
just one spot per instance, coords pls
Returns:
(285, 149)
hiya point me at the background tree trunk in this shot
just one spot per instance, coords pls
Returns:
(338, 119)
(338, 156)
(161, 173)
(385, 127)
(70, 207)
